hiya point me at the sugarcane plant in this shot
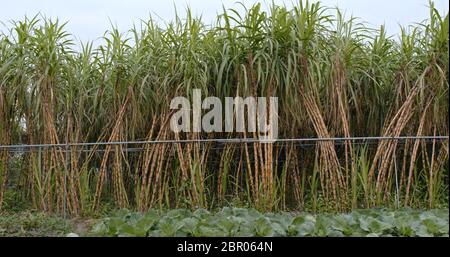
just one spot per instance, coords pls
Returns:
(334, 76)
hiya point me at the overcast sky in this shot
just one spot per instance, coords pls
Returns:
(89, 19)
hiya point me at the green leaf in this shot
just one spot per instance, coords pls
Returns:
(263, 227)
(373, 225)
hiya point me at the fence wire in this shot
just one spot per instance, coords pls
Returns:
(21, 148)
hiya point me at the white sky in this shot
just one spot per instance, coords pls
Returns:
(89, 19)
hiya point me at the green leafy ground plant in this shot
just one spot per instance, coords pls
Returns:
(249, 222)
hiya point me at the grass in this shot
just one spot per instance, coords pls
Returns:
(33, 224)
(334, 76)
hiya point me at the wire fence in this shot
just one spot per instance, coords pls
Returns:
(299, 141)
(92, 154)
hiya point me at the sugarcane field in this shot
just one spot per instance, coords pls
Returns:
(224, 119)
